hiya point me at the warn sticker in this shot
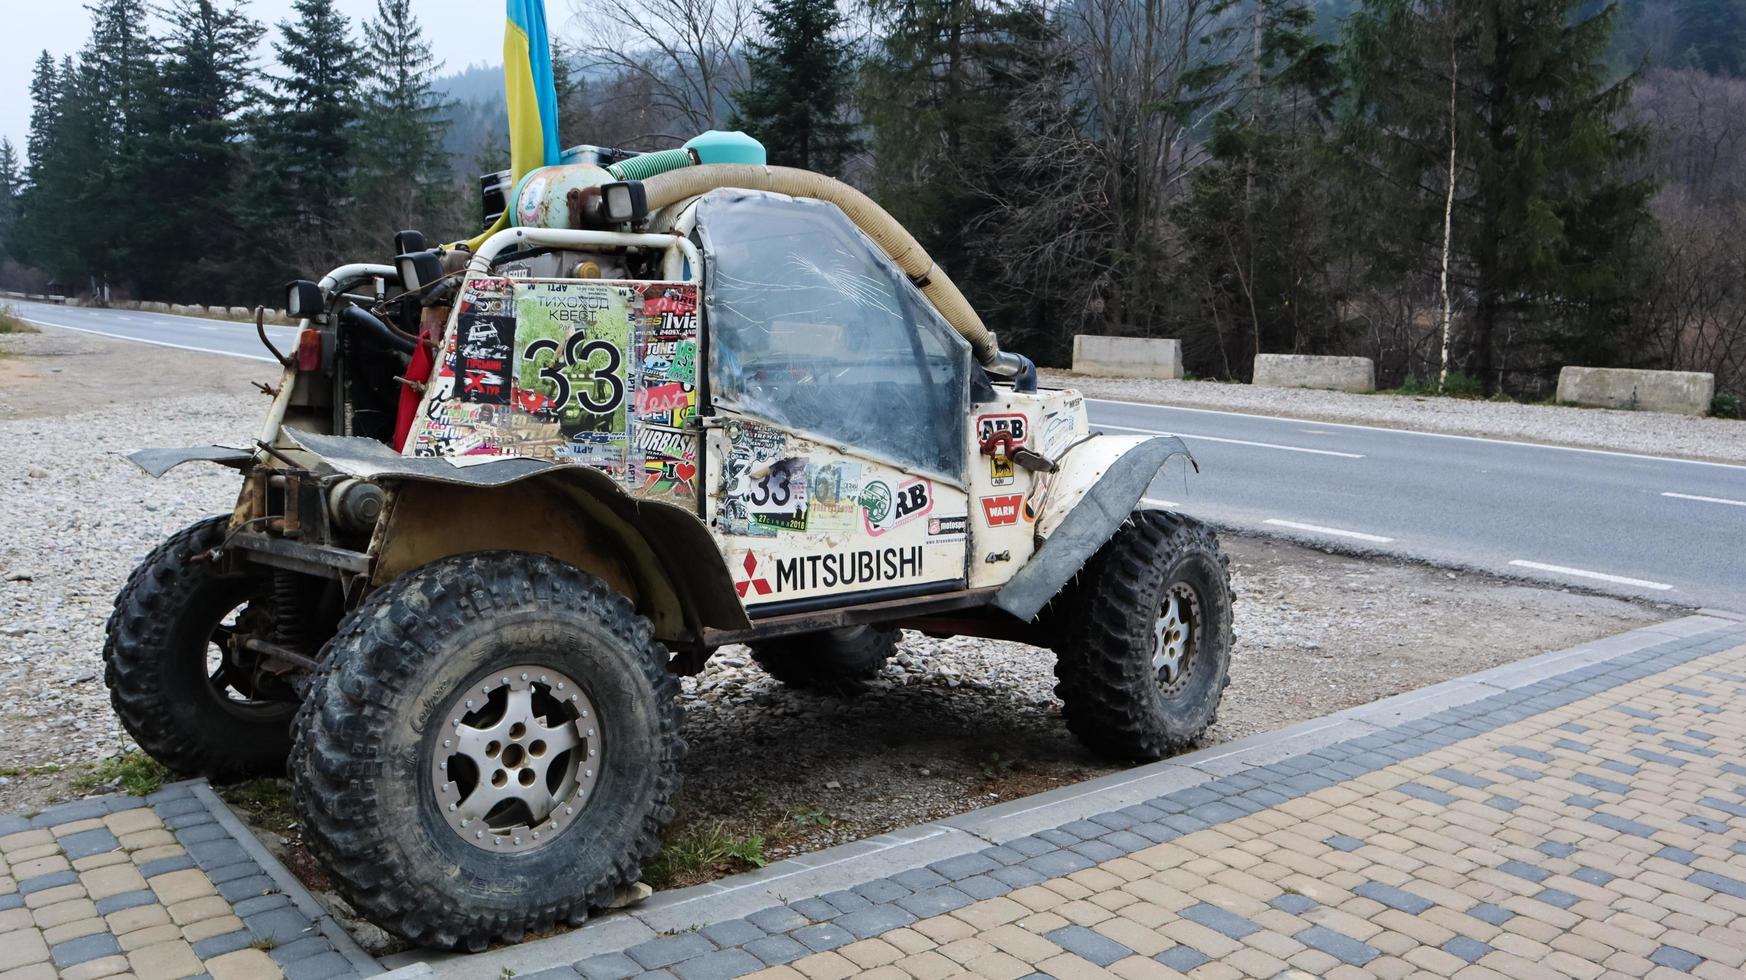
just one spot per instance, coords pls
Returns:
(1003, 510)
(1014, 425)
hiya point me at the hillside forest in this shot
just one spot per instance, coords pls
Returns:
(1471, 192)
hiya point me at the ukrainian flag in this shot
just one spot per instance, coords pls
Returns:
(532, 96)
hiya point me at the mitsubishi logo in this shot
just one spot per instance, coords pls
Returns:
(753, 579)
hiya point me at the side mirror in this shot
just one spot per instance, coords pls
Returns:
(303, 300)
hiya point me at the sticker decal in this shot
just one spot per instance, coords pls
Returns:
(1002, 510)
(1013, 424)
(1000, 473)
(948, 528)
(778, 497)
(865, 567)
(884, 507)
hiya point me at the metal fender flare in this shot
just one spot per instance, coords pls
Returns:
(665, 549)
(1091, 494)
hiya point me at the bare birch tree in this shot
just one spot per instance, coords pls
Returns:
(686, 54)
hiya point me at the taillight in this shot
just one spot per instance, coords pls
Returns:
(309, 350)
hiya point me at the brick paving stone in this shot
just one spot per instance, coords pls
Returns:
(243, 964)
(89, 947)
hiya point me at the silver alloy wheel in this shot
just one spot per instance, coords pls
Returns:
(519, 759)
(1175, 636)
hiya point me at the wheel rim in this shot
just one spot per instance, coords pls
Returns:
(234, 677)
(1176, 637)
(517, 760)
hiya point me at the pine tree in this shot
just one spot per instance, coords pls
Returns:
(940, 96)
(193, 152)
(307, 139)
(402, 168)
(799, 80)
(1256, 221)
(1545, 208)
(95, 149)
(44, 113)
(11, 189)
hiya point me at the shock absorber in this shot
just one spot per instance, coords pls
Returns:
(290, 618)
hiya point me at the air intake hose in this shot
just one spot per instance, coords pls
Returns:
(678, 185)
(649, 164)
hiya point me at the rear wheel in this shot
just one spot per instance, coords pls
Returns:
(839, 661)
(179, 676)
(1143, 650)
(490, 749)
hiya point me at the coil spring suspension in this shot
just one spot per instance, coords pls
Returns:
(290, 618)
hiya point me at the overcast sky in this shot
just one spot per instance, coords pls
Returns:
(463, 32)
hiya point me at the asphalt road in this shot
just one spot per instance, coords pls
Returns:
(1651, 527)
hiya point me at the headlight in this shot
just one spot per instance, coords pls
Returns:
(303, 300)
(419, 269)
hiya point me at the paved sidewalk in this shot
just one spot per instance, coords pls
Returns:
(158, 888)
(1581, 814)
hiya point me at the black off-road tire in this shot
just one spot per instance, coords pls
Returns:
(360, 770)
(839, 661)
(1111, 692)
(154, 659)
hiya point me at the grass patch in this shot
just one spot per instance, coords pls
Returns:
(46, 769)
(135, 773)
(266, 802)
(1459, 385)
(703, 851)
(10, 323)
(1726, 405)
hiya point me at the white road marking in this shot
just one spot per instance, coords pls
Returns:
(1707, 500)
(155, 343)
(1159, 502)
(1336, 532)
(1414, 432)
(1584, 573)
(1235, 442)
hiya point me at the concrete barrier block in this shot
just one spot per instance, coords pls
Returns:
(154, 307)
(1127, 357)
(1680, 392)
(242, 313)
(180, 310)
(1315, 371)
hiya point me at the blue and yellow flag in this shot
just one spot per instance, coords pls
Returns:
(532, 96)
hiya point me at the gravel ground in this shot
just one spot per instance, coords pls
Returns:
(948, 726)
(955, 724)
(1653, 433)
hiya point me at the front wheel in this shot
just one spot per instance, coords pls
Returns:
(1143, 649)
(179, 676)
(489, 749)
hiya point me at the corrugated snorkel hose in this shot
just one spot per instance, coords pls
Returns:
(649, 164)
(677, 185)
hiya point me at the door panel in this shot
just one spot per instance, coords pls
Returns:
(800, 520)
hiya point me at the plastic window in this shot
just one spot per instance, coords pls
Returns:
(813, 328)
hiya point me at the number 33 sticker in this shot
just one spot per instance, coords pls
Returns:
(601, 393)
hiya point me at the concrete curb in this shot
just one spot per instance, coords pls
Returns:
(342, 941)
(802, 880)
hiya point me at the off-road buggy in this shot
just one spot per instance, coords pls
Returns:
(506, 495)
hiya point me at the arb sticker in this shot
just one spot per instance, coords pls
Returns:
(884, 507)
(1012, 424)
(1002, 510)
